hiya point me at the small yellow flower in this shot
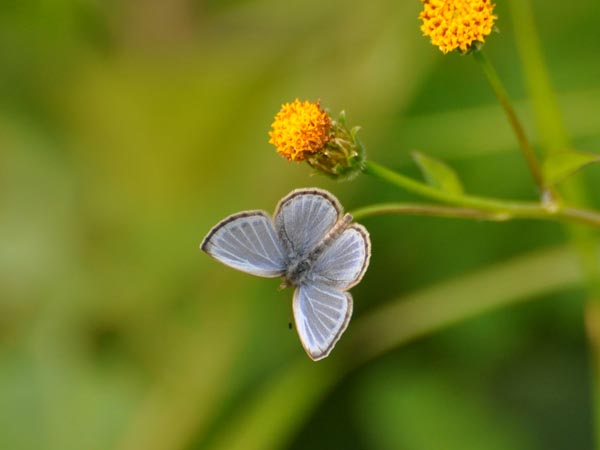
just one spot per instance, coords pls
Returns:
(300, 129)
(457, 24)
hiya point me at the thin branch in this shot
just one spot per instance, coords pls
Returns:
(487, 208)
(502, 96)
(423, 209)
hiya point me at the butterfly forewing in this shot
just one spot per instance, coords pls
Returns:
(248, 242)
(304, 217)
(321, 315)
(344, 262)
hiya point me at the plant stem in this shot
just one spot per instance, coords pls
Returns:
(554, 138)
(487, 208)
(432, 210)
(503, 98)
(481, 203)
(552, 133)
(422, 209)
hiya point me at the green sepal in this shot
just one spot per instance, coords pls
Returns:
(343, 156)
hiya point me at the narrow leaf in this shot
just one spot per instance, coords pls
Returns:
(559, 166)
(438, 174)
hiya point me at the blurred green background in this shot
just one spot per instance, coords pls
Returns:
(128, 129)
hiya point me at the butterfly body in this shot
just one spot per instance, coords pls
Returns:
(313, 247)
(297, 272)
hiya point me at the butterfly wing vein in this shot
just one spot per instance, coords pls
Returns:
(322, 315)
(343, 264)
(248, 242)
(304, 217)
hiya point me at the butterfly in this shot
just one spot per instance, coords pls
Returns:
(313, 246)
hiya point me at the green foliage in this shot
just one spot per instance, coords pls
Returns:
(438, 174)
(413, 412)
(128, 129)
(560, 165)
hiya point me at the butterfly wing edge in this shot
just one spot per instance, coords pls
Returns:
(367, 239)
(318, 355)
(310, 191)
(206, 244)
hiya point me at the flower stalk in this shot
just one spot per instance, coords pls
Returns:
(470, 206)
(424, 209)
(554, 138)
(502, 96)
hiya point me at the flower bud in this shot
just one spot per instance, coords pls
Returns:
(303, 131)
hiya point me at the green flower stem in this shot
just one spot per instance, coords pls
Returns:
(421, 209)
(487, 208)
(481, 203)
(502, 95)
(552, 132)
(553, 137)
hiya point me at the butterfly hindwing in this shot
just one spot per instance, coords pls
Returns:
(321, 315)
(303, 218)
(247, 241)
(344, 262)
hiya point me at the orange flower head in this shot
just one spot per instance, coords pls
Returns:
(300, 129)
(457, 24)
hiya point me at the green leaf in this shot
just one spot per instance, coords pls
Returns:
(438, 174)
(559, 166)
